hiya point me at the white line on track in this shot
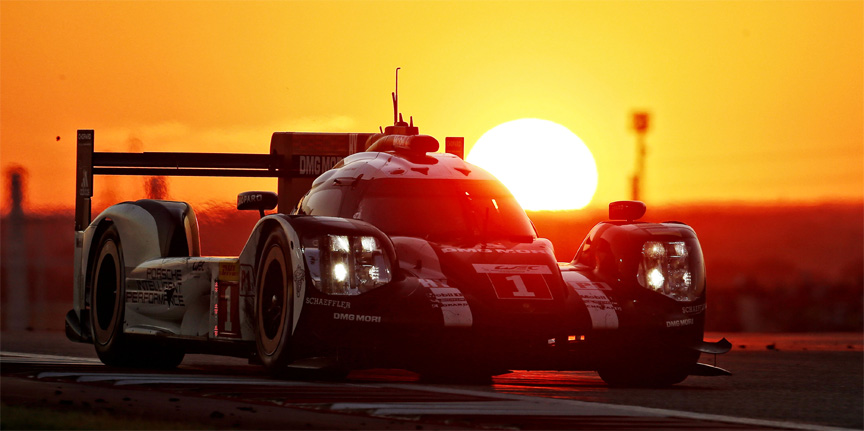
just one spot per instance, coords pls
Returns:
(508, 404)
(35, 358)
(632, 410)
(484, 408)
(126, 379)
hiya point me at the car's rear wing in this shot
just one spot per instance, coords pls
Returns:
(295, 158)
(92, 163)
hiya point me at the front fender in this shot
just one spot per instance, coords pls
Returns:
(296, 228)
(249, 260)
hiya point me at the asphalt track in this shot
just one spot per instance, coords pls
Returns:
(780, 382)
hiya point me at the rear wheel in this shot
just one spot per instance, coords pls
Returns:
(274, 303)
(107, 313)
(107, 304)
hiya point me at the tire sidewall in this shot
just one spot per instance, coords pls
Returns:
(274, 350)
(108, 339)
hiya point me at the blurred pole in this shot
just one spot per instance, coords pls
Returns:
(640, 125)
(17, 314)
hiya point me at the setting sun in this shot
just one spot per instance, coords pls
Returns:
(544, 164)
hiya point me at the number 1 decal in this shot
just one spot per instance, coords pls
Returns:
(521, 290)
(228, 310)
(228, 326)
(529, 281)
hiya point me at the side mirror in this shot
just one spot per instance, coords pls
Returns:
(627, 210)
(257, 201)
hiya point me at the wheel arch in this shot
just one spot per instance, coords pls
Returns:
(148, 229)
(251, 255)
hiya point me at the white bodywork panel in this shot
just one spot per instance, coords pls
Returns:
(135, 225)
(603, 311)
(418, 257)
(247, 261)
(185, 296)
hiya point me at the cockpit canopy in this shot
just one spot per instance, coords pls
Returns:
(453, 209)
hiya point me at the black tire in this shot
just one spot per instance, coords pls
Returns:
(274, 304)
(107, 312)
(107, 303)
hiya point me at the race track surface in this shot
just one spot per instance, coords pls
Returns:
(780, 381)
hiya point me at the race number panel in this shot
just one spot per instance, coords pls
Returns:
(228, 306)
(517, 281)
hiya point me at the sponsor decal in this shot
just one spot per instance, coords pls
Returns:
(299, 281)
(164, 274)
(312, 165)
(679, 322)
(229, 271)
(84, 188)
(589, 285)
(328, 302)
(85, 137)
(356, 317)
(84, 162)
(428, 282)
(517, 281)
(353, 143)
(155, 292)
(693, 309)
(487, 268)
(490, 250)
(602, 310)
(454, 307)
(244, 199)
(198, 266)
(247, 280)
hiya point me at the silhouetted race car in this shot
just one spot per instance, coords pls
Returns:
(383, 254)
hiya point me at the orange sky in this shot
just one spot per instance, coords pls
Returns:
(751, 101)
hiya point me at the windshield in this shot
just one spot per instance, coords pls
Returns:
(444, 210)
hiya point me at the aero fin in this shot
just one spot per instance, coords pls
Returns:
(717, 348)
(700, 369)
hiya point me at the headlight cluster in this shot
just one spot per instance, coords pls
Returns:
(346, 265)
(665, 268)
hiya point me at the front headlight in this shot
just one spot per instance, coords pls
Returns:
(346, 264)
(665, 268)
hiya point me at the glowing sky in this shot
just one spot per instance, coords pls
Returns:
(751, 101)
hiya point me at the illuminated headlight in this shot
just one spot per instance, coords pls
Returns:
(346, 265)
(665, 268)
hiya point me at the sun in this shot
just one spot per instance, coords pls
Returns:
(544, 164)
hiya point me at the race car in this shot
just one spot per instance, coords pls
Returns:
(383, 253)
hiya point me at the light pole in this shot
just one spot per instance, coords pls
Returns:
(640, 125)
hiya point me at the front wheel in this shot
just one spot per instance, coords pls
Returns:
(274, 303)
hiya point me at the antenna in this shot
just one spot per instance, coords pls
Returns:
(396, 98)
